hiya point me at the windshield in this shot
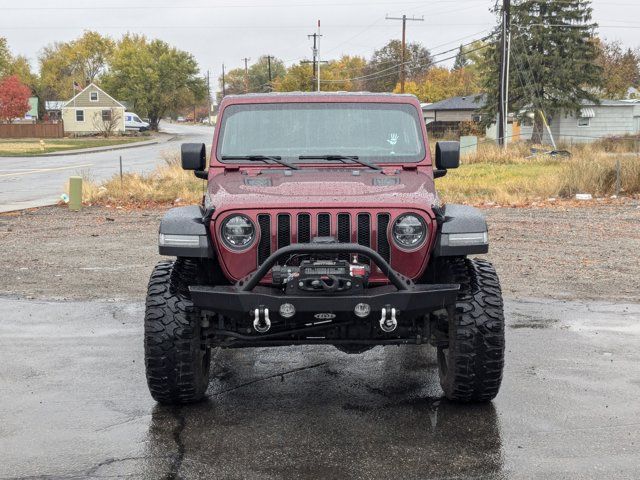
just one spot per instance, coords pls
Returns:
(377, 132)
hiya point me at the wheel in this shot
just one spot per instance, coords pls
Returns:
(471, 365)
(177, 365)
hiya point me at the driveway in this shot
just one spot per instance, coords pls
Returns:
(35, 181)
(74, 403)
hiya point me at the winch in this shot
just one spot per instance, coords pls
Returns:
(322, 276)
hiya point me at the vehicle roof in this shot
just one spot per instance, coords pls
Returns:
(276, 97)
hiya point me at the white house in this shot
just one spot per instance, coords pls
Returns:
(93, 111)
(609, 118)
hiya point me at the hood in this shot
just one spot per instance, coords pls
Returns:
(321, 188)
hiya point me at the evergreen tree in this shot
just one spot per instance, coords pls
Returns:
(461, 59)
(553, 60)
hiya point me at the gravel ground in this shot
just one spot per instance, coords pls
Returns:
(589, 252)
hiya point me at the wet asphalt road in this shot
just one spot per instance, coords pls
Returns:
(74, 403)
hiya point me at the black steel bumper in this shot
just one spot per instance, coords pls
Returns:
(235, 303)
(241, 300)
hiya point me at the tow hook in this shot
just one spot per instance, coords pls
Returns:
(261, 325)
(388, 324)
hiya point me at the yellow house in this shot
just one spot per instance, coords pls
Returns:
(93, 111)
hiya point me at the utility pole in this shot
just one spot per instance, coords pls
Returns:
(404, 19)
(315, 37)
(503, 94)
(318, 55)
(315, 77)
(224, 88)
(208, 97)
(246, 74)
(269, 57)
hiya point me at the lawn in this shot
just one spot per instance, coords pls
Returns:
(34, 146)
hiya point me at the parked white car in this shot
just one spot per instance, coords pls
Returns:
(133, 122)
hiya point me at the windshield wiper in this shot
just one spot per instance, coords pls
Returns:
(262, 158)
(354, 158)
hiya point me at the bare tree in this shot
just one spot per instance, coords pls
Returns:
(107, 122)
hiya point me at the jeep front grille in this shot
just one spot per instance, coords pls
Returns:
(304, 228)
(368, 229)
(264, 247)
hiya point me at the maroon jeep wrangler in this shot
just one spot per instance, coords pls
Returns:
(321, 225)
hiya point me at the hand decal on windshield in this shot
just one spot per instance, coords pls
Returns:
(393, 138)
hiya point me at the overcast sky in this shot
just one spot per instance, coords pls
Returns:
(218, 31)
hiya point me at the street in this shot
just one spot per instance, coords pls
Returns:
(74, 403)
(36, 181)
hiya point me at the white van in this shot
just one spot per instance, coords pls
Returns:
(133, 122)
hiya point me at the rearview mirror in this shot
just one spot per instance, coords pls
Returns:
(447, 155)
(194, 156)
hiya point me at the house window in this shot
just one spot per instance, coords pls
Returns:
(584, 121)
(93, 96)
(106, 115)
(79, 115)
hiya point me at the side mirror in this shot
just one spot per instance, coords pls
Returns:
(194, 156)
(447, 155)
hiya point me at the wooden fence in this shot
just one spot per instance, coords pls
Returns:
(32, 130)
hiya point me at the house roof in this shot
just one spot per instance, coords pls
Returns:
(468, 102)
(96, 88)
(612, 103)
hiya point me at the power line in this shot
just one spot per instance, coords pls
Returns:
(378, 73)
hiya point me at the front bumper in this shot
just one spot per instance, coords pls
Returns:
(241, 300)
(233, 302)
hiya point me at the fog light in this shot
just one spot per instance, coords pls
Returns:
(362, 310)
(287, 310)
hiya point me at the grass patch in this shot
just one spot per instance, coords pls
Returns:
(501, 183)
(491, 175)
(31, 147)
(168, 183)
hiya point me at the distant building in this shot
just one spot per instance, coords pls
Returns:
(454, 110)
(32, 114)
(53, 109)
(447, 116)
(91, 111)
(609, 118)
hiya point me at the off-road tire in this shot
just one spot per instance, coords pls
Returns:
(177, 366)
(471, 365)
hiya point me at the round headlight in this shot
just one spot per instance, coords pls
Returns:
(238, 232)
(409, 231)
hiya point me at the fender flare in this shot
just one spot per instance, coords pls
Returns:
(462, 231)
(183, 233)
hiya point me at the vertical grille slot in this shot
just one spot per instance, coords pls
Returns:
(264, 247)
(383, 240)
(344, 232)
(364, 234)
(324, 225)
(284, 230)
(304, 228)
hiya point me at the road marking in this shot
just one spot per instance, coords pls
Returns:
(44, 170)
